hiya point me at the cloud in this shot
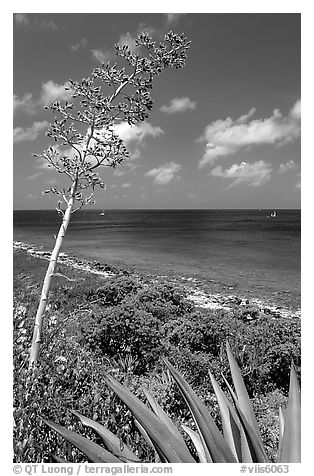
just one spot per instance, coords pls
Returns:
(31, 196)
(51, 91)
(32, 177)
(136, 133)
(126, 185)
(128, 40)
(173, 18)
(254, 174)
(103, 56)
(291, 165)
(81, 44)
(178, 105)
(164, 173)
(21, 134)
(26, 103)
(23, 20)
(226, 137)
(150, 30)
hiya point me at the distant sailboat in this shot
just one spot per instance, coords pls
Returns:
(273, 214)
(102, 213)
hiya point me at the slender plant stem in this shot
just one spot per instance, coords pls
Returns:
(37, 334)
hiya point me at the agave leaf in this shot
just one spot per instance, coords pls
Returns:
(111, 441)
(230, 421)
(58, 459)
(256, 447)
(168, 445)
(246, 456)
(147, 439)
(197, 443)
(243, 399)
(94, 452)
(291, 439)
(281, 430)
(162, 415)
(215, 446)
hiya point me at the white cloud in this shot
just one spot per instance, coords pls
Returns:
(126, 185)
(21, 134)
(128, 40)
(254, 174)
(23, 20)
(226, 137)
(33, 177)
(80, 44)
(46, 25)
(103, 56)
(291, 165)
(136, 133)
(164, 173)
(26, 103)
(178, 105)
(31, 196)
(296, 110)
(51, 91)
(173, 17)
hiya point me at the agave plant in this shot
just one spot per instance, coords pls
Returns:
(240, 441)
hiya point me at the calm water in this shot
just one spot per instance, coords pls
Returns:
(244, 249)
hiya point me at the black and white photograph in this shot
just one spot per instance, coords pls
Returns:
(156, 240)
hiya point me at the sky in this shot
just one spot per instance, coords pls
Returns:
(224, 131)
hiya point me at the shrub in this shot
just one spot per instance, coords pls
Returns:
(122, 330)
(113, 291)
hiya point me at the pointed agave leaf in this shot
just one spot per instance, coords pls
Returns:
(252, 446)
(111, 441)
(246, 456)
(58, 459)
(168, 446)
(213, 441)
(243, 399)
(197, 443)
(256, 448)
(230, 421)
(162, 415)
(281, 430)
(291, 439)
(147, 439)
(94, 452)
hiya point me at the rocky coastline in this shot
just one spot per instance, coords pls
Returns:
(251, 308)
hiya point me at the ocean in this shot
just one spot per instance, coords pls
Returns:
(245, 251)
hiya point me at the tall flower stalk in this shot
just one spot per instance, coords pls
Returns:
(84, 130)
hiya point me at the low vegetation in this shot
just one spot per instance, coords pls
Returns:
(120, 328)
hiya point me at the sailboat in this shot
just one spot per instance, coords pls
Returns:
(102, 213)
(273, 214)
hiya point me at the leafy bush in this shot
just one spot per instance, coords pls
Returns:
(122, 330)
(113, 291)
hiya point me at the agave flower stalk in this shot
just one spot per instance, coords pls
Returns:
(85, 132)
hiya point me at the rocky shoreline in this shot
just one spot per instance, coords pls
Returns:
(253, 308)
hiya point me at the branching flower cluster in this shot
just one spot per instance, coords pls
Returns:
(84, 129)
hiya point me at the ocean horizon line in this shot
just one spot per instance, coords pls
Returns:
(158, 209)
